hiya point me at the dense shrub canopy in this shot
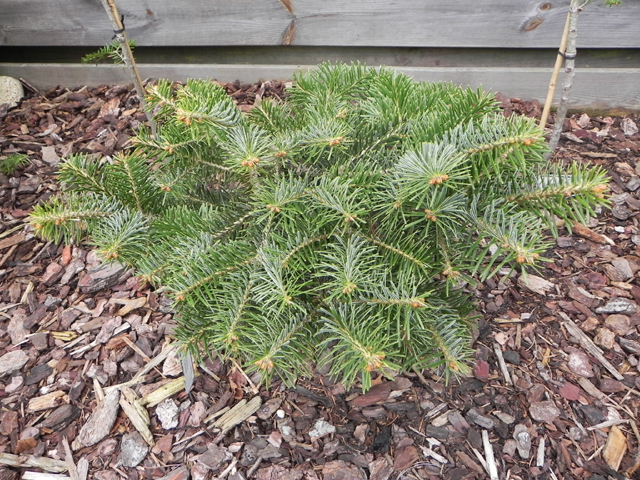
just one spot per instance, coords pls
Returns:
(336, 227)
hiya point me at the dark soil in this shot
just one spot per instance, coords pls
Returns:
(564, 404)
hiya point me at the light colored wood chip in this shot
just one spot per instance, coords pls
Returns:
(540, 455)
(83, 468)
(48, 401)
(30, 461)
(502, 364)
(238, 414)
(162, 393)
(490, 458)
(615, 448)
(129, 305)
(44, 476)
(68, 459)
(590, 388)
(138, 415)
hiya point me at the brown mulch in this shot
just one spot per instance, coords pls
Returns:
(554, 392)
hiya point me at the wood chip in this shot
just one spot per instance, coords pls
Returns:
(100, 422)
(138, 415)
(589, 234)
(45, 402)
(44, 476)
(615, 448)
(490, 458)
(30, 461)
(11, 241)
(129, 305)
(588, 345)
(238, 414)
(154, 398)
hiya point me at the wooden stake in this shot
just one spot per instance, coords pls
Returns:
(121, 35)
(556, 71)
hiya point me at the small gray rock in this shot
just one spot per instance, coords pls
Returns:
(580, 365)
(11, 91)
(523, 440)
(545, 411)
(12, 361)
(320, 429)
(167, 413)
(134, 449)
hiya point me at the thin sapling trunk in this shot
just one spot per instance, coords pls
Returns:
(570, 57)
(554, 77)
(121, 35)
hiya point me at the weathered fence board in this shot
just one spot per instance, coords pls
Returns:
(371, 23)
(595, 89)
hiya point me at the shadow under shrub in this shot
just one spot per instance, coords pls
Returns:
(336, 227)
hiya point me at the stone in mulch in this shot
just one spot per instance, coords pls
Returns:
(11, 91)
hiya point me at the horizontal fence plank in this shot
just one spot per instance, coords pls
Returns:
(381, 23)
(614, 90)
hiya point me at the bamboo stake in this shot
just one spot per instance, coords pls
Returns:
(121, 35)
(570, 57)
(556, 71)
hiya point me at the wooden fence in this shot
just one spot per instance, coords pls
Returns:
(505, 45)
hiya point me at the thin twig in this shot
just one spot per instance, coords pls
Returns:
(502, 364)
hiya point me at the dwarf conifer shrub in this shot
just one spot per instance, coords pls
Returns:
(335, 227)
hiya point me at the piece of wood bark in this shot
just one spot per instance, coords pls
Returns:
(100, 422)
(590, 388)
(68, 459)
(30, 461)
(490, 458)
(588, 345)
(589, 234)
(162, 393)
(61, 417)
(46, 402)
(8, 474)
(44, 476)
(138, 415)
(238, 414)
(502, 364)
(615, 448)
(469, 462)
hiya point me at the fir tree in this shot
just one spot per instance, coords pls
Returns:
(335, 228)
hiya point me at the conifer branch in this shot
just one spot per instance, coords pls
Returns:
(336, 226)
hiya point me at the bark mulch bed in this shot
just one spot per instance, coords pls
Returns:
(554, 392)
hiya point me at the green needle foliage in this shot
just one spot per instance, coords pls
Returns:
(13, 162)
(111, 51)
(336, 228)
